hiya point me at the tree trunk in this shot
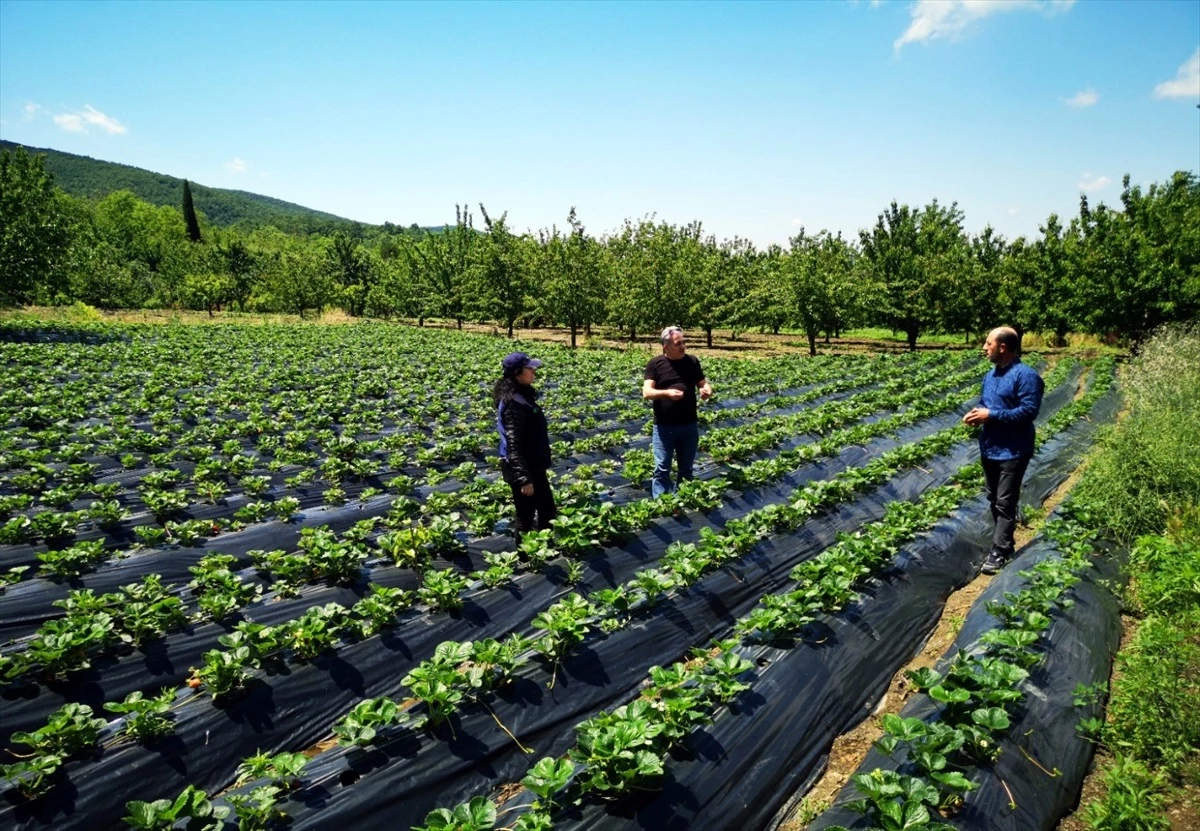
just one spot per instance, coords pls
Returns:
(459, 319)
(574, 328)
(708, 334)
(510, 327)
(775, 328)
(912, 338)
(812, 343)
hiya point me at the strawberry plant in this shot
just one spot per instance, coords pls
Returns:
(477, 815)
(282, 769)
(146, 719)
(192, 805)
(442, 590)
(362, 724)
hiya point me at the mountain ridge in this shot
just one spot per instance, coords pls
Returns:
(86, 177)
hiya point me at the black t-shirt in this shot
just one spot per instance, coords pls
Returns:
(684, 374)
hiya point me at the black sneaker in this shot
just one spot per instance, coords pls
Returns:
(996, 560)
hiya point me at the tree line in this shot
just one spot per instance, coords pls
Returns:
(1114, 272)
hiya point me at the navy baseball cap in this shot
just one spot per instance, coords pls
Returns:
(514, 362)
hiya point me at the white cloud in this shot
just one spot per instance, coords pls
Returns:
(78, 122)
(106, 123)
(1186, 83)
(70, 122)
(1091, 184)
(937, 19)
(797, 223)
(1083, 98)
(237, 165)
(1013, 211)
(32, 109)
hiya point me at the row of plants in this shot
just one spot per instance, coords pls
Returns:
(825, 585)
(322, 557)
(458, 673)
(232, 472)
(623, 750)
(975, 697)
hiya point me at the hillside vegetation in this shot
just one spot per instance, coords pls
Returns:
(94, 179)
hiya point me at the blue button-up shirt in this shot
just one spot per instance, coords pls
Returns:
(1013, 397)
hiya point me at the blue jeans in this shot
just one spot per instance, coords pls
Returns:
(673, 440)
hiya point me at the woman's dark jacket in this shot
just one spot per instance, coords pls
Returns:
(524, 438)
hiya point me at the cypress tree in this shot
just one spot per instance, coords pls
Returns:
(189, 214)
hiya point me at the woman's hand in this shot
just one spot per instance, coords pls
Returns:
(527, 489)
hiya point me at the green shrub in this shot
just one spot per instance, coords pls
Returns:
(1149, 464)
(1154, 713)
(1134, 799)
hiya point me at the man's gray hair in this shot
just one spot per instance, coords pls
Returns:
(667, 333)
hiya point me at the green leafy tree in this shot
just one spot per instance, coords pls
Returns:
(241, 264)
(1053, 287)
(916, 257)
(818, 273)
(631, 297)
(1140, 268)
(766, 301)
(1016, 302)
(891, 253)
(352, 270)
(441, 264)
(502, 274)
(189, 214)
(35, 231)
(573, 271)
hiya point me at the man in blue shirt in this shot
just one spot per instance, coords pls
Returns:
(1012, 397)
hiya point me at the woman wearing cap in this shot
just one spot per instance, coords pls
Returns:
(524, 442)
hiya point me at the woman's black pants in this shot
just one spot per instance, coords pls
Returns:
(540, 505)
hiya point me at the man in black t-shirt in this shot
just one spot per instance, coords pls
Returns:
(672, 381)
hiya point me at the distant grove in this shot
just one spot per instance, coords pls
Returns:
(1110, 272)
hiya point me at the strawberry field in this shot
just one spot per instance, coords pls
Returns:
(261, 577)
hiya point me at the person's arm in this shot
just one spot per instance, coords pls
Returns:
(1029, 388)
(652, 393)
(704, 388)
(978, 414)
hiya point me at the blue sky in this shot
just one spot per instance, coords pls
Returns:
(754, 118)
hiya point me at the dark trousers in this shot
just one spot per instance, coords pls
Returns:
(1003, 483)
(540, 504)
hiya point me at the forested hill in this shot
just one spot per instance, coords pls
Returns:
(83, 176)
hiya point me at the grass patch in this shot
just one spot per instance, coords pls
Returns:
(1143, 485)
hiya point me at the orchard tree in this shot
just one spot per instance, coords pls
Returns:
(631, 296)
(1140, 268)
(35, 231)
(818, 274)
(969, 297)
(892, 254)
(766, 302)
(352, 270)
(241, 265)
(502, 274)
(440, 265)
(1053, 286)
(573, 277)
